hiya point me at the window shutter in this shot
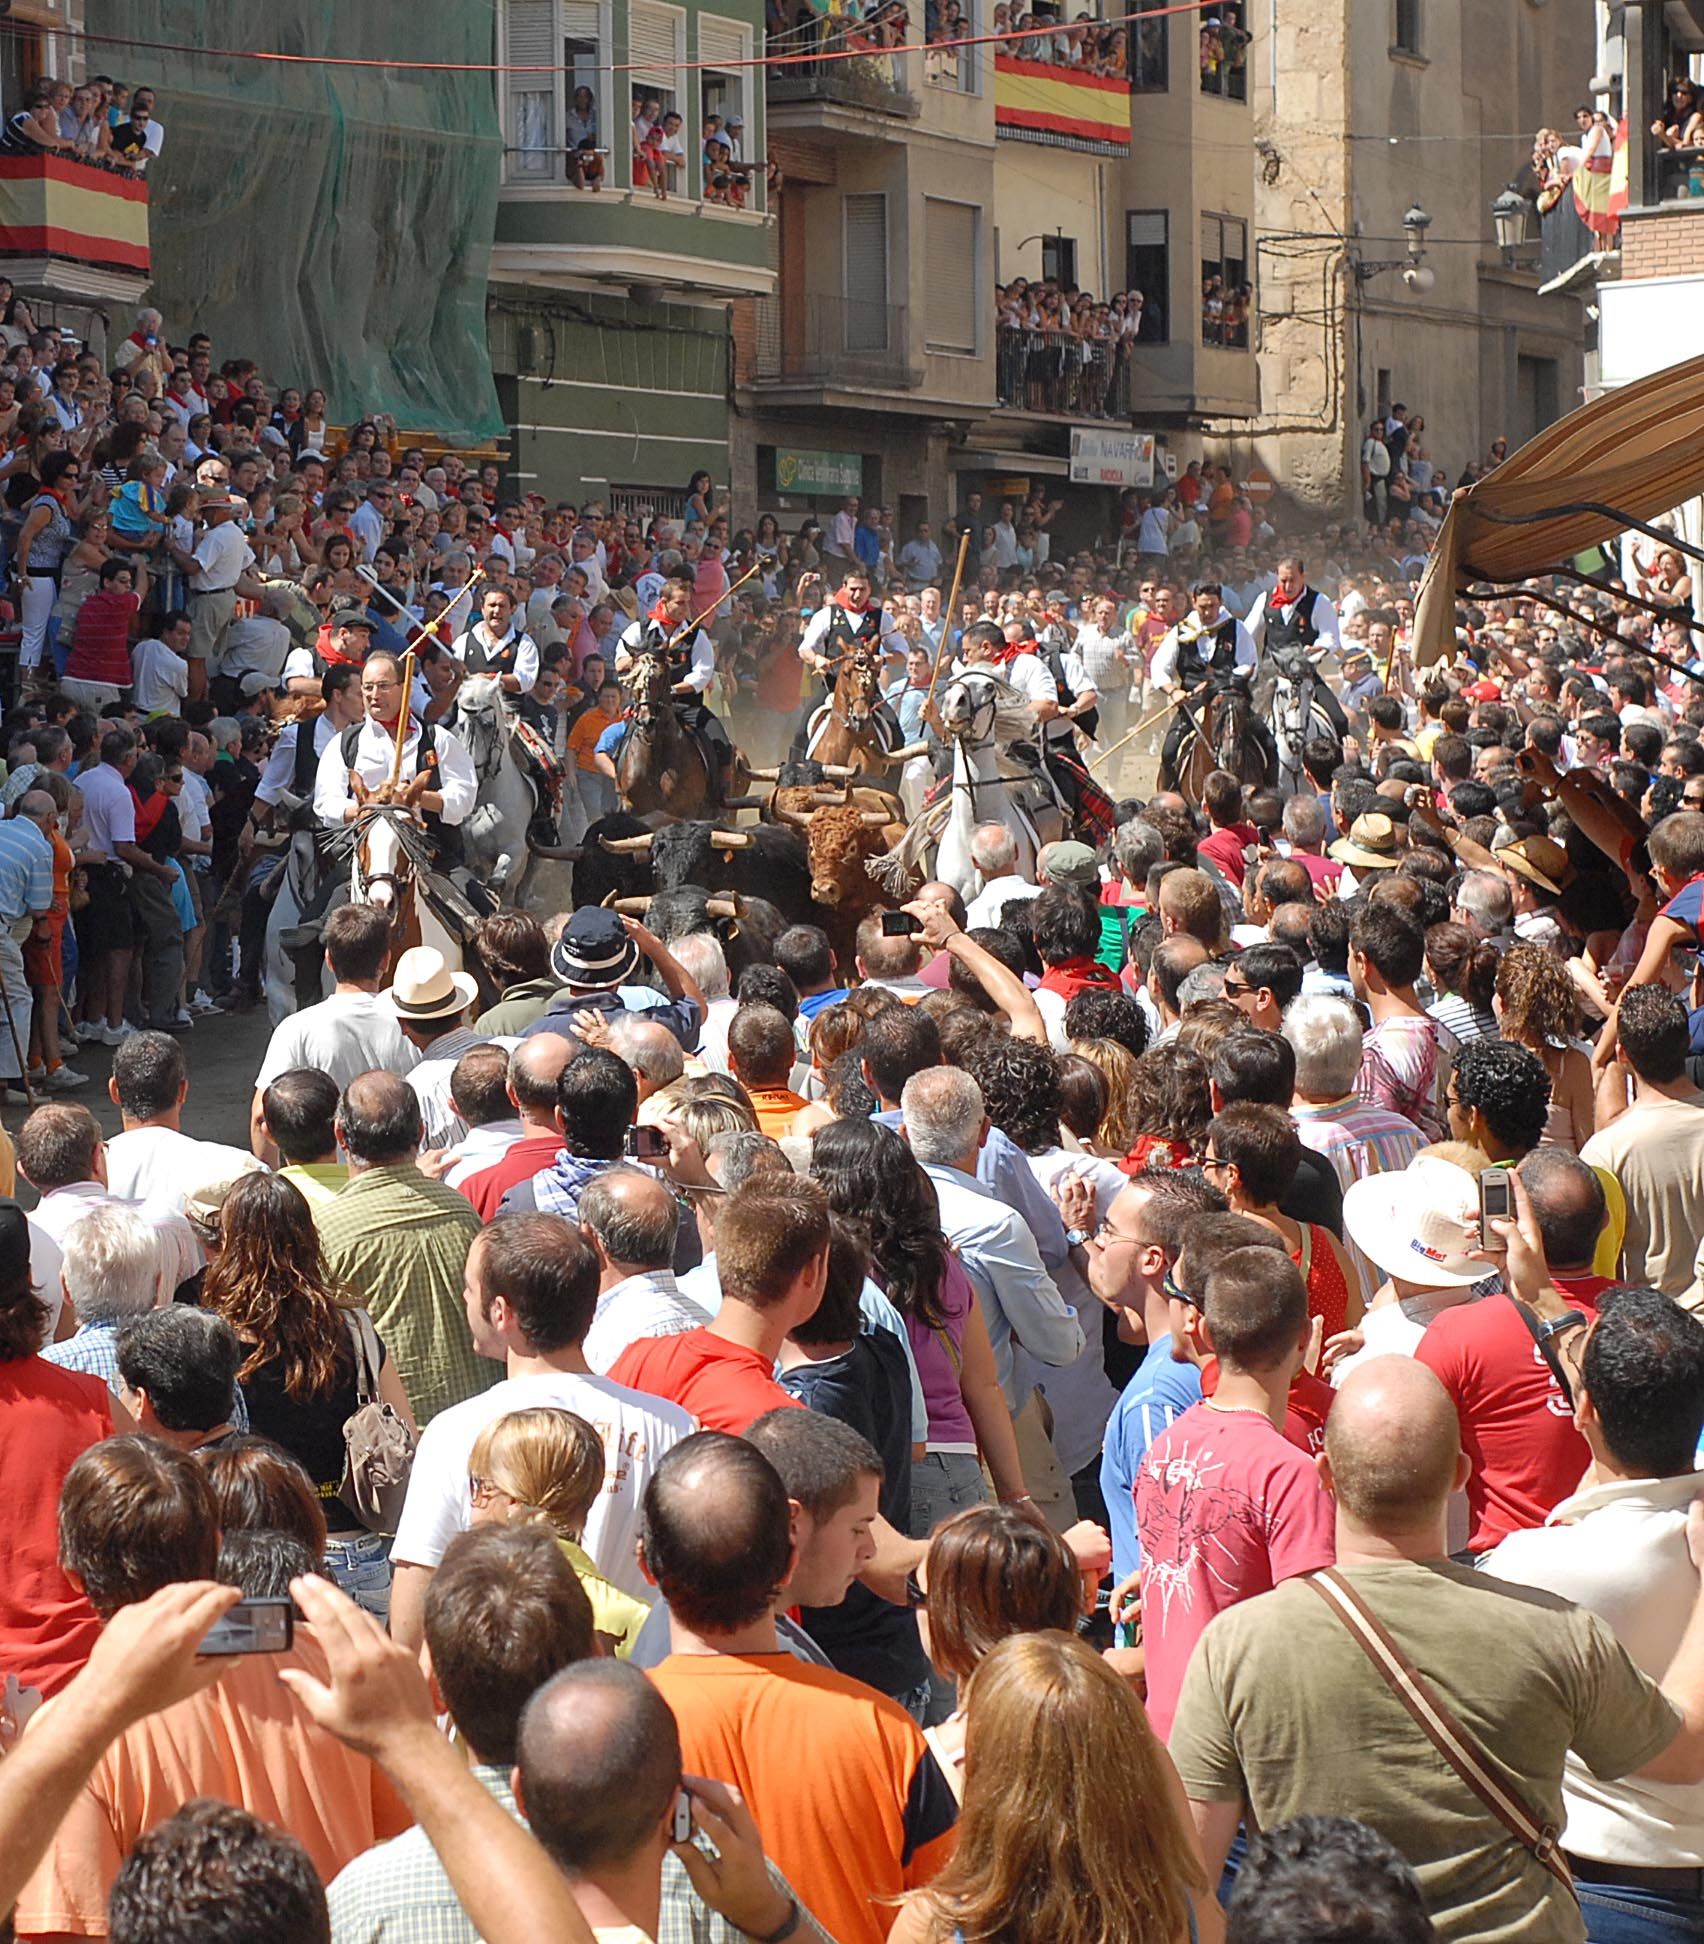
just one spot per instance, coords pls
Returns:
(865, 221)
(580, 21)
(721, 43)
(954, 292)
(531, 42)
(651, 44)
(1147, 229)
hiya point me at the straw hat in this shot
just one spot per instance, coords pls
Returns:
(1418, 1224)
(1540, 860)
(424, 988)
(1371, 844)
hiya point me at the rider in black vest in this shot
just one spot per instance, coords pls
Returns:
(669, 629)
(1292, 624)
(446, 839)
(502, 656)
(1206, 651)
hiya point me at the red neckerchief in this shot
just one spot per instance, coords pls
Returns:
(840, 601)
(1012, 650)
(149, 811)
(1071, 976)
(1279, 599)
(327, 653)
(663, 621)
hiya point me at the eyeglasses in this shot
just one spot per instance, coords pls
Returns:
(1106, 1235)
(1237, 990)
(1216, 1161)
(172, 776)
(483, 1490)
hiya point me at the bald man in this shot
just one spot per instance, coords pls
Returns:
(536, 1067)
(631, 1218)
(1283, 1713)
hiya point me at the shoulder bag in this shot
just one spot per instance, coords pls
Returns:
(378, 1448)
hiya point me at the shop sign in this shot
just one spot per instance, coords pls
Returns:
(798, 471)
(1111, 458)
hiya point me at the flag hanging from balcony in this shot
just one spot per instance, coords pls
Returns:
(1035, 101)
(51, 205)
(1618, 197)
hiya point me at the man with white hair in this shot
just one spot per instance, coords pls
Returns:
(994, 852)
(1305, 826)
(110, 1269)
(1485, 905)
(652, 1051)
(700, 954)
(1355, 1136)
(946, 1124)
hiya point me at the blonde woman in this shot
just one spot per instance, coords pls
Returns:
(1041, 1859)
(1116, 1064)
(1538, 1006)
(546, 1467)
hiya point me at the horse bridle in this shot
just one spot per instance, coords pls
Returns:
(868, 672)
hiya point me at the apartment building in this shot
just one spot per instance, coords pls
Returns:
(1366, 112)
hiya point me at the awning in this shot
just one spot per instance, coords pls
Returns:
(1638, 451)
(967, 459)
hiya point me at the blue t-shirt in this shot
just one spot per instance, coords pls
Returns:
(610, 741)
(1160, 1392)
(811, 1003)
(1686, 907)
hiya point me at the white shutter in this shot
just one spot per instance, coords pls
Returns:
(721, 43)
(653, 45)
(953, 292)
(579, 20)
(530, 41)
(1147, 229)
(864, 221)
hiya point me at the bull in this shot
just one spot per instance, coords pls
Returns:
(767, 861)
(746, 927)
(841, 840)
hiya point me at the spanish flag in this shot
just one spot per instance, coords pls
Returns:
(1043, 101)
(1591, 182)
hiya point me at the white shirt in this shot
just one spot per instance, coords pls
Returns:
(195, 810)
(255, 645)
(280, 769)
(1322, 614)
(1154, 534)
(1164, 668)
(348, 1034)
(50, 1221)
(221, 555)
(430, 1079)
(703, 667)
(526, 650)
(635, 1429)
(713, 1035)
(480, 1148)
(109, 810)
(646, 1304)
(992, 899)
(1003, 537)
(892, 641)
(159, 676)
(375, 750)
(162, 1166)
(1619, 1549)
(368, 525)
(1030, 676)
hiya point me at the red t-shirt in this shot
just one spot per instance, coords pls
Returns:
(1224, 849)
(1325, 871)
(48, 1418)
(1305, 1411)
(1516, 1425)
(724, 1385)
(530, 1155)
(100, 649)
(1226, 1507)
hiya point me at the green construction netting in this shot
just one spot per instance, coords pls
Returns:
(334, 223)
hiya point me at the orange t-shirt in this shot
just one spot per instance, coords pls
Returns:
(853, 1807)
(775, 1108)
(724, 1385)
(583, 737)
(247, 1741)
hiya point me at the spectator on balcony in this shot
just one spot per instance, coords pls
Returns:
(582, 119)
(34, 129)
(80, 121)
(1680, 125)
(673, 148)
(126, 147)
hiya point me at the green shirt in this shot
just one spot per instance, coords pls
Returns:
(400, 1242)
(1282, 1709)
(318, 1180)
(519, 1006)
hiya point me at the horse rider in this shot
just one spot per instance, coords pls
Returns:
(848, 620)
(1209, 647)
(431, 756)
(691, 665)
(1077, 696)
(496, 644)
(1292, 615)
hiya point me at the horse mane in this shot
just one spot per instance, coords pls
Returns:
(1012, 719)
(416, 846)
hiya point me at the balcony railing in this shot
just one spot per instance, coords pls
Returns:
(827, 340)
(1063, 377)
(55, 207)
(875, 81)
(1564, 239)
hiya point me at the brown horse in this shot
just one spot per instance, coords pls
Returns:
(1220, 740)
(849, 736)
(660, 766)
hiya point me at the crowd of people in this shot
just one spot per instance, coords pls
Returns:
(1058, 350)
(103, 121)
(1217, 1305)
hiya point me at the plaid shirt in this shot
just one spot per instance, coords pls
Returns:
(399, 1242)
(94, 1351)
(398, 1893)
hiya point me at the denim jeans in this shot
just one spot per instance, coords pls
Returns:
(943, 1483)
(361, 1566)
(1618, 1914)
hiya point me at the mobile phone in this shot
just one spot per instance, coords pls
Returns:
(253, 1627)
(680, 1831)
(1496, 1200)
(646, 1144)
(900, 924)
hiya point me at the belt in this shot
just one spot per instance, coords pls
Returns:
(1633, 1876)
(215, 590)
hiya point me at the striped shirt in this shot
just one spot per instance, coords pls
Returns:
(1358, 1139)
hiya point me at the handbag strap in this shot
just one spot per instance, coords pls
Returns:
(366, 1371)
(1440, 1727)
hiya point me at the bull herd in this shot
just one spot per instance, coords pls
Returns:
(807, 861)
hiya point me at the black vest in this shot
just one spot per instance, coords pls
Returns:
(425, 753)
(1053, 659)
(847, 630)
(1212, 652)
(477, 659)
(307, 757)
(1292, 626)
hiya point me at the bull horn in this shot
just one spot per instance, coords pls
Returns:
(745, 803)
(837, 769)
(799, 818)
(632, 907)
(874, 819)
(722, 907)
(626, 846)
(764, 775)
(833, 799)
(729, 839)
(557, 853)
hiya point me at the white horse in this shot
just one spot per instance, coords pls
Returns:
(495, 839)
(299, 880)
(982, 714)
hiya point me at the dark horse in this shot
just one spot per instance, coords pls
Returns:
(661, 766)
(1220, 738)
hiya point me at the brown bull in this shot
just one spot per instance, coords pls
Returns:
(841, 839)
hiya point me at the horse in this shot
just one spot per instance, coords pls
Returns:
(500, 839)
(660, 765)
(851, 734)
(1219, 739)
(391, 867)
(982, 715)
(1294, 714)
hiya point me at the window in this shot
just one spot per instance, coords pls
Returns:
(1225, 289)
(656, 38)
(864, 237)
(951, 67)
(953, 300)
(1147, 268)
(563, 100)
(1224, 52)
(1150, 47)
(1059, 260)
(1405, 27)
(723, 45)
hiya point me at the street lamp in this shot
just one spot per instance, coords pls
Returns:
(1417, 273)
(1509, 221)
(1415, 224)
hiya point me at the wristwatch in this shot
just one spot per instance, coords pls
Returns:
(1075, 1238)
(795, 1916)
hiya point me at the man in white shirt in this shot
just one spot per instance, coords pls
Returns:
(294, 763)
(920, 559)
(370, 518)
(153, 1160)
(353, 1031)
(1206, 649)
(430, 755)
(531, 1293)
(495, 645)
(159, 667)
(994, 852)
(1617, 1546)
(220, 568)
(630, 1219)
(692, 665)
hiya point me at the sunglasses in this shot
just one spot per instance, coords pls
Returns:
(1175, 1291)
